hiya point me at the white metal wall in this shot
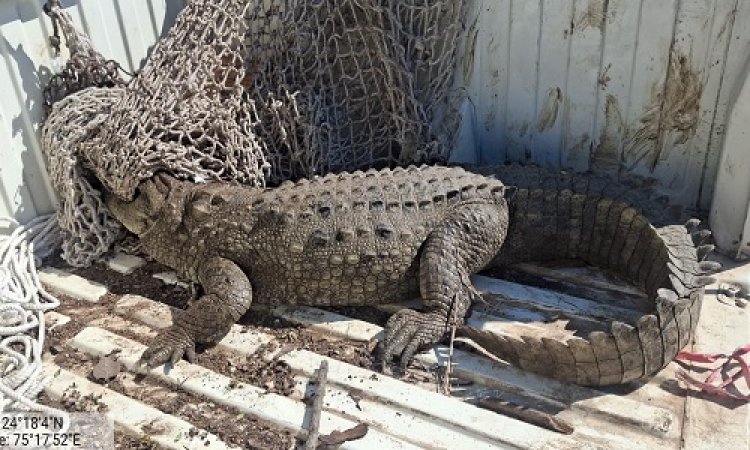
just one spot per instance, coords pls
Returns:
(618, 86)
(730, 221)
(613, 85)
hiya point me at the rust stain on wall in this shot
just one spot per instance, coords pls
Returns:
(548, 115)
(606, 155)
(674, 113)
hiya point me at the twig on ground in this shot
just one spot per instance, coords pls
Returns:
(446, 387)
(284, 351)
(321, 379)
(531, 416)
(471, 343)
(449, 364)
(337, 438)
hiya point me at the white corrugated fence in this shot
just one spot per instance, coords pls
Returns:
(623, 87)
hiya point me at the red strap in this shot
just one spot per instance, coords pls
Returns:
(710, 386)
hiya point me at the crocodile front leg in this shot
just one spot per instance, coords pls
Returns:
(227, 297)
(463, 245)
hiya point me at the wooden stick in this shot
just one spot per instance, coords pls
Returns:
(447, 372)
(321, 379)
(449, 365)
(531, 416)
(337, 438)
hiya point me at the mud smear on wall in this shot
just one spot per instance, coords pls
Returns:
(581, 146)
(594, 15)
(548, 115)
(471, 45)
(606, 156)
(671, 118)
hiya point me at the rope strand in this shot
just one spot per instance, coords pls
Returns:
(23, 302)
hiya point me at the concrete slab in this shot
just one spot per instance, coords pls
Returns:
(330, 323)
(68, 284)
(591, 412)
(125, 264)
(135, 417)
(53, 319)
(170, 278)
(712, 422)
(245, 398)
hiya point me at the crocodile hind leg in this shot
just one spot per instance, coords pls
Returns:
(461, 246)
(227, 296)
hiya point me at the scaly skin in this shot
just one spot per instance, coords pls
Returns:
(348, 239)
(364, 239)
(619, 228)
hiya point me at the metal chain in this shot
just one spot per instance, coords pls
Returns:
(54, 40)
(81, 70)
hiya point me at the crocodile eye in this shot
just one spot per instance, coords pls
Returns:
(220, 199)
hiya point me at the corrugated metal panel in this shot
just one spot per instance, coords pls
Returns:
(730, 221)
(619, 86)
(123, 30)
(406, 412)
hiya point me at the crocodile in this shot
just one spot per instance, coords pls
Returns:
(383, 236)
(360, 238)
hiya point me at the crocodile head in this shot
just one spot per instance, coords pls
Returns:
(139, 214)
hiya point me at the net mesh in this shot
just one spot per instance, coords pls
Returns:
(252, 92)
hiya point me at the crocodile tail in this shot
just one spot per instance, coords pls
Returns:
(620, 228)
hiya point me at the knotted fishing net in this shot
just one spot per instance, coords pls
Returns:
(255, 92)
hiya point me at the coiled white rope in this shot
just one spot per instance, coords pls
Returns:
(23, 302)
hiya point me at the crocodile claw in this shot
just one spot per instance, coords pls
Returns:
(407, 331)
(171, 345)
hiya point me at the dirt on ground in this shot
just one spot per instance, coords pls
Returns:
(235, 429)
